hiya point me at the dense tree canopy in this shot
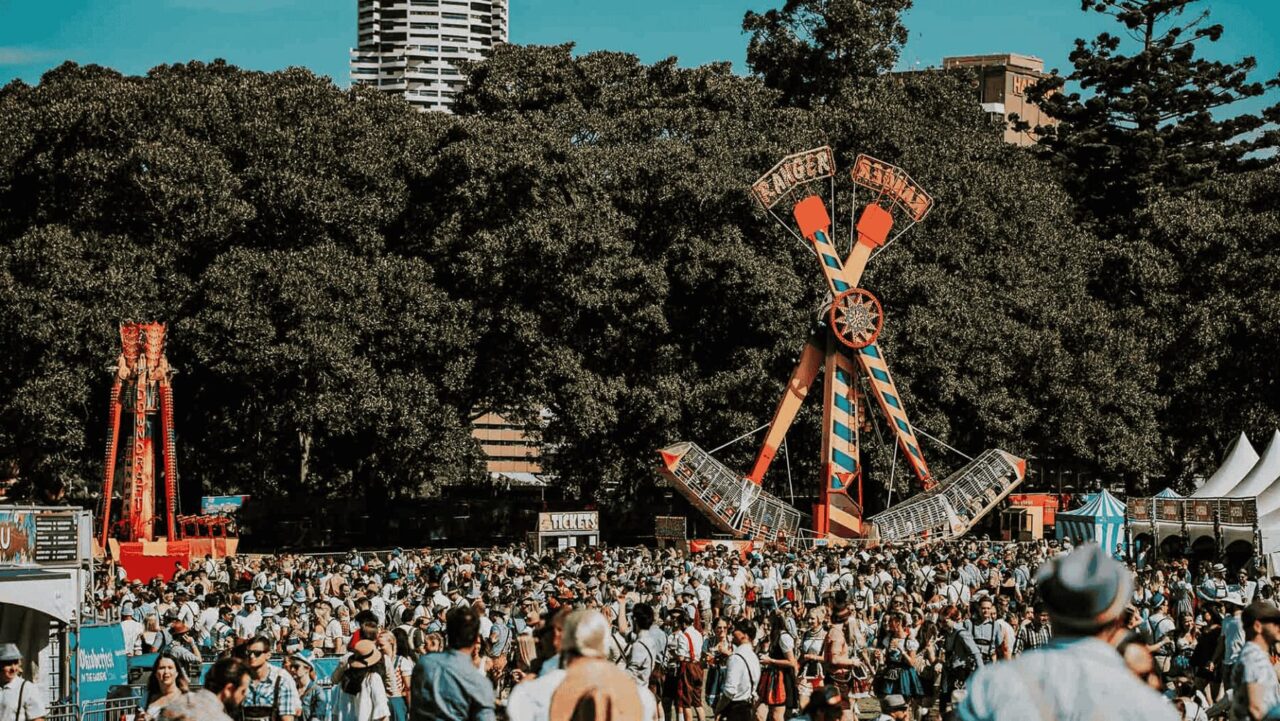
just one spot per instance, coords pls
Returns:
(813, 51)
(348, 282)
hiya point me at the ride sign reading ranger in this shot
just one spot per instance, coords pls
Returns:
(1078, 674)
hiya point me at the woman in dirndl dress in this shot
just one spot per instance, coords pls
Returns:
(812, 641)
(860, 680)
(778, 666)
(898, 675)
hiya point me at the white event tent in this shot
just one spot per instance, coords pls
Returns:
(1239, 461)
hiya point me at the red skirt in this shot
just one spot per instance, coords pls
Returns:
(777, 687)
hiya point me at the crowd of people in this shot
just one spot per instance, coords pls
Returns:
(963, 629)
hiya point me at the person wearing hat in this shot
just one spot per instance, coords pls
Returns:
(585, 674)
(248, 619)
(362, 694)
(19, 698)
(1159, 632)
(894, 707)
(499, 646)
(1214, 586)
(1077, 674)
(455, 598)
(1233, 634)
(689, 604)
(1257, 692)
(182, 645)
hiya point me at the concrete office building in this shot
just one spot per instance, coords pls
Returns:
(1002, 89)
(511, 454)
(409, 46)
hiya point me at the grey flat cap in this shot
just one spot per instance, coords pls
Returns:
(892, 702)
(1085, 589)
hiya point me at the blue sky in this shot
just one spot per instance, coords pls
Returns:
(134, 35)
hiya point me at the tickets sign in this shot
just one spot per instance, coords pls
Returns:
(894, 183)
(576, 521)
(793, 171)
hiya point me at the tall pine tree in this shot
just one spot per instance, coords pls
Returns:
(1150, 113)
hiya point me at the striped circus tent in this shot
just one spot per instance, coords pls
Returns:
(1100, 519)
(1168, 493)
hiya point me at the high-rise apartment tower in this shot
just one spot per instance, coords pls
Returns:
(409, 46)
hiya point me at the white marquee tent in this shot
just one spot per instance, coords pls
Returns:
(1239, 461)
(1263, 474)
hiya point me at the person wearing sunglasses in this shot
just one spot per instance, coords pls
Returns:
(272, 692)
(313, 699)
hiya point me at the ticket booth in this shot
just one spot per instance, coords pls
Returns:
(568, 529)
(1022, 523)
(46, 569)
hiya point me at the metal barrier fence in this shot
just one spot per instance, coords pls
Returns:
(125, 702)
(112, 709)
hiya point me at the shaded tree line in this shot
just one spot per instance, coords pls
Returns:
(348, 282)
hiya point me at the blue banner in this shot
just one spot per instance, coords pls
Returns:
(221, 505)
(100, 661)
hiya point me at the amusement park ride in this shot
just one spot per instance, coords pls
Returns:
(143, 392)
(846, 349)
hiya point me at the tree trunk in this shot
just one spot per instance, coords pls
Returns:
(304, 462)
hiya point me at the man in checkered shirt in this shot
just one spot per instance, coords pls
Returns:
(272, 691)
(1034, 633)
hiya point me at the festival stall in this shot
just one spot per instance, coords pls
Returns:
(1100, 519)
(566, 529)
(45, 571)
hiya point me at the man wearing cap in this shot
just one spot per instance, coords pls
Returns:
(1078, 674)
(311, 697)
(1233, 635)
(1257, 692)
(248, 619)
(20, 699)
(894, 708)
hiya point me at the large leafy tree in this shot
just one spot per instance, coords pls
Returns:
(814, 50)
(251, 211)
(1143, 120)
(638, 294)
(1208, 259)
(1148, 112)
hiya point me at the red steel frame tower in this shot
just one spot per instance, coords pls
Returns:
(143, 386)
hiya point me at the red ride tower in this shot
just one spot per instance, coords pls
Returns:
(142, 395)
